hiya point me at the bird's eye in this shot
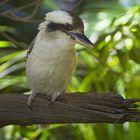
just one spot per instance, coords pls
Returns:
(68, 27)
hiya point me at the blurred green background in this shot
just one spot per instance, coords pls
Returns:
(113, 66)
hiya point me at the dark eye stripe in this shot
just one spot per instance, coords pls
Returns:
(68, 27)
(52, 27)
(55, 26)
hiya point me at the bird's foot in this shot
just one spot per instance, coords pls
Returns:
(30, 100)
(54, 97)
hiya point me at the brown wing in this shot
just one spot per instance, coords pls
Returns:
(31, 47)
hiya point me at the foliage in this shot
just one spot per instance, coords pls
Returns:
(112, 66)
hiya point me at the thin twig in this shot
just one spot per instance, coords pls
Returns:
(18, 44)
(77, 4)
(21, 19)
(25, 6)
(3, 2)
(18, 9)
(35, 10)
(36, 3)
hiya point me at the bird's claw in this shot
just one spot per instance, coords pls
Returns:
(30, 100)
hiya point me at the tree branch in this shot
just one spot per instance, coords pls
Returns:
(69, 108)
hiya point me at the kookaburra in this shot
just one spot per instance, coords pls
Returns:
(51, 58)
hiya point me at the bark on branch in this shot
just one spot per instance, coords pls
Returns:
(69, 108)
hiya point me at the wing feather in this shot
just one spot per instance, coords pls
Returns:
(31, 47)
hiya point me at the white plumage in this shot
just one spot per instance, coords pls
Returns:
(59, 17)
(50, 65)
(52, 58)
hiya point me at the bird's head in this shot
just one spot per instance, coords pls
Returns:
(67, 25)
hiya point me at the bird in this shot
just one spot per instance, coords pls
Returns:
(51, 57)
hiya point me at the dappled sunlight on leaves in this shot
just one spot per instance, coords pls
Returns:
(113, 66)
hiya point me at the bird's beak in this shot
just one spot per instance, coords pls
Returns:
(81, 39)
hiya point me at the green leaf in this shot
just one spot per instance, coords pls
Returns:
(135, 55)
(51, 4)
